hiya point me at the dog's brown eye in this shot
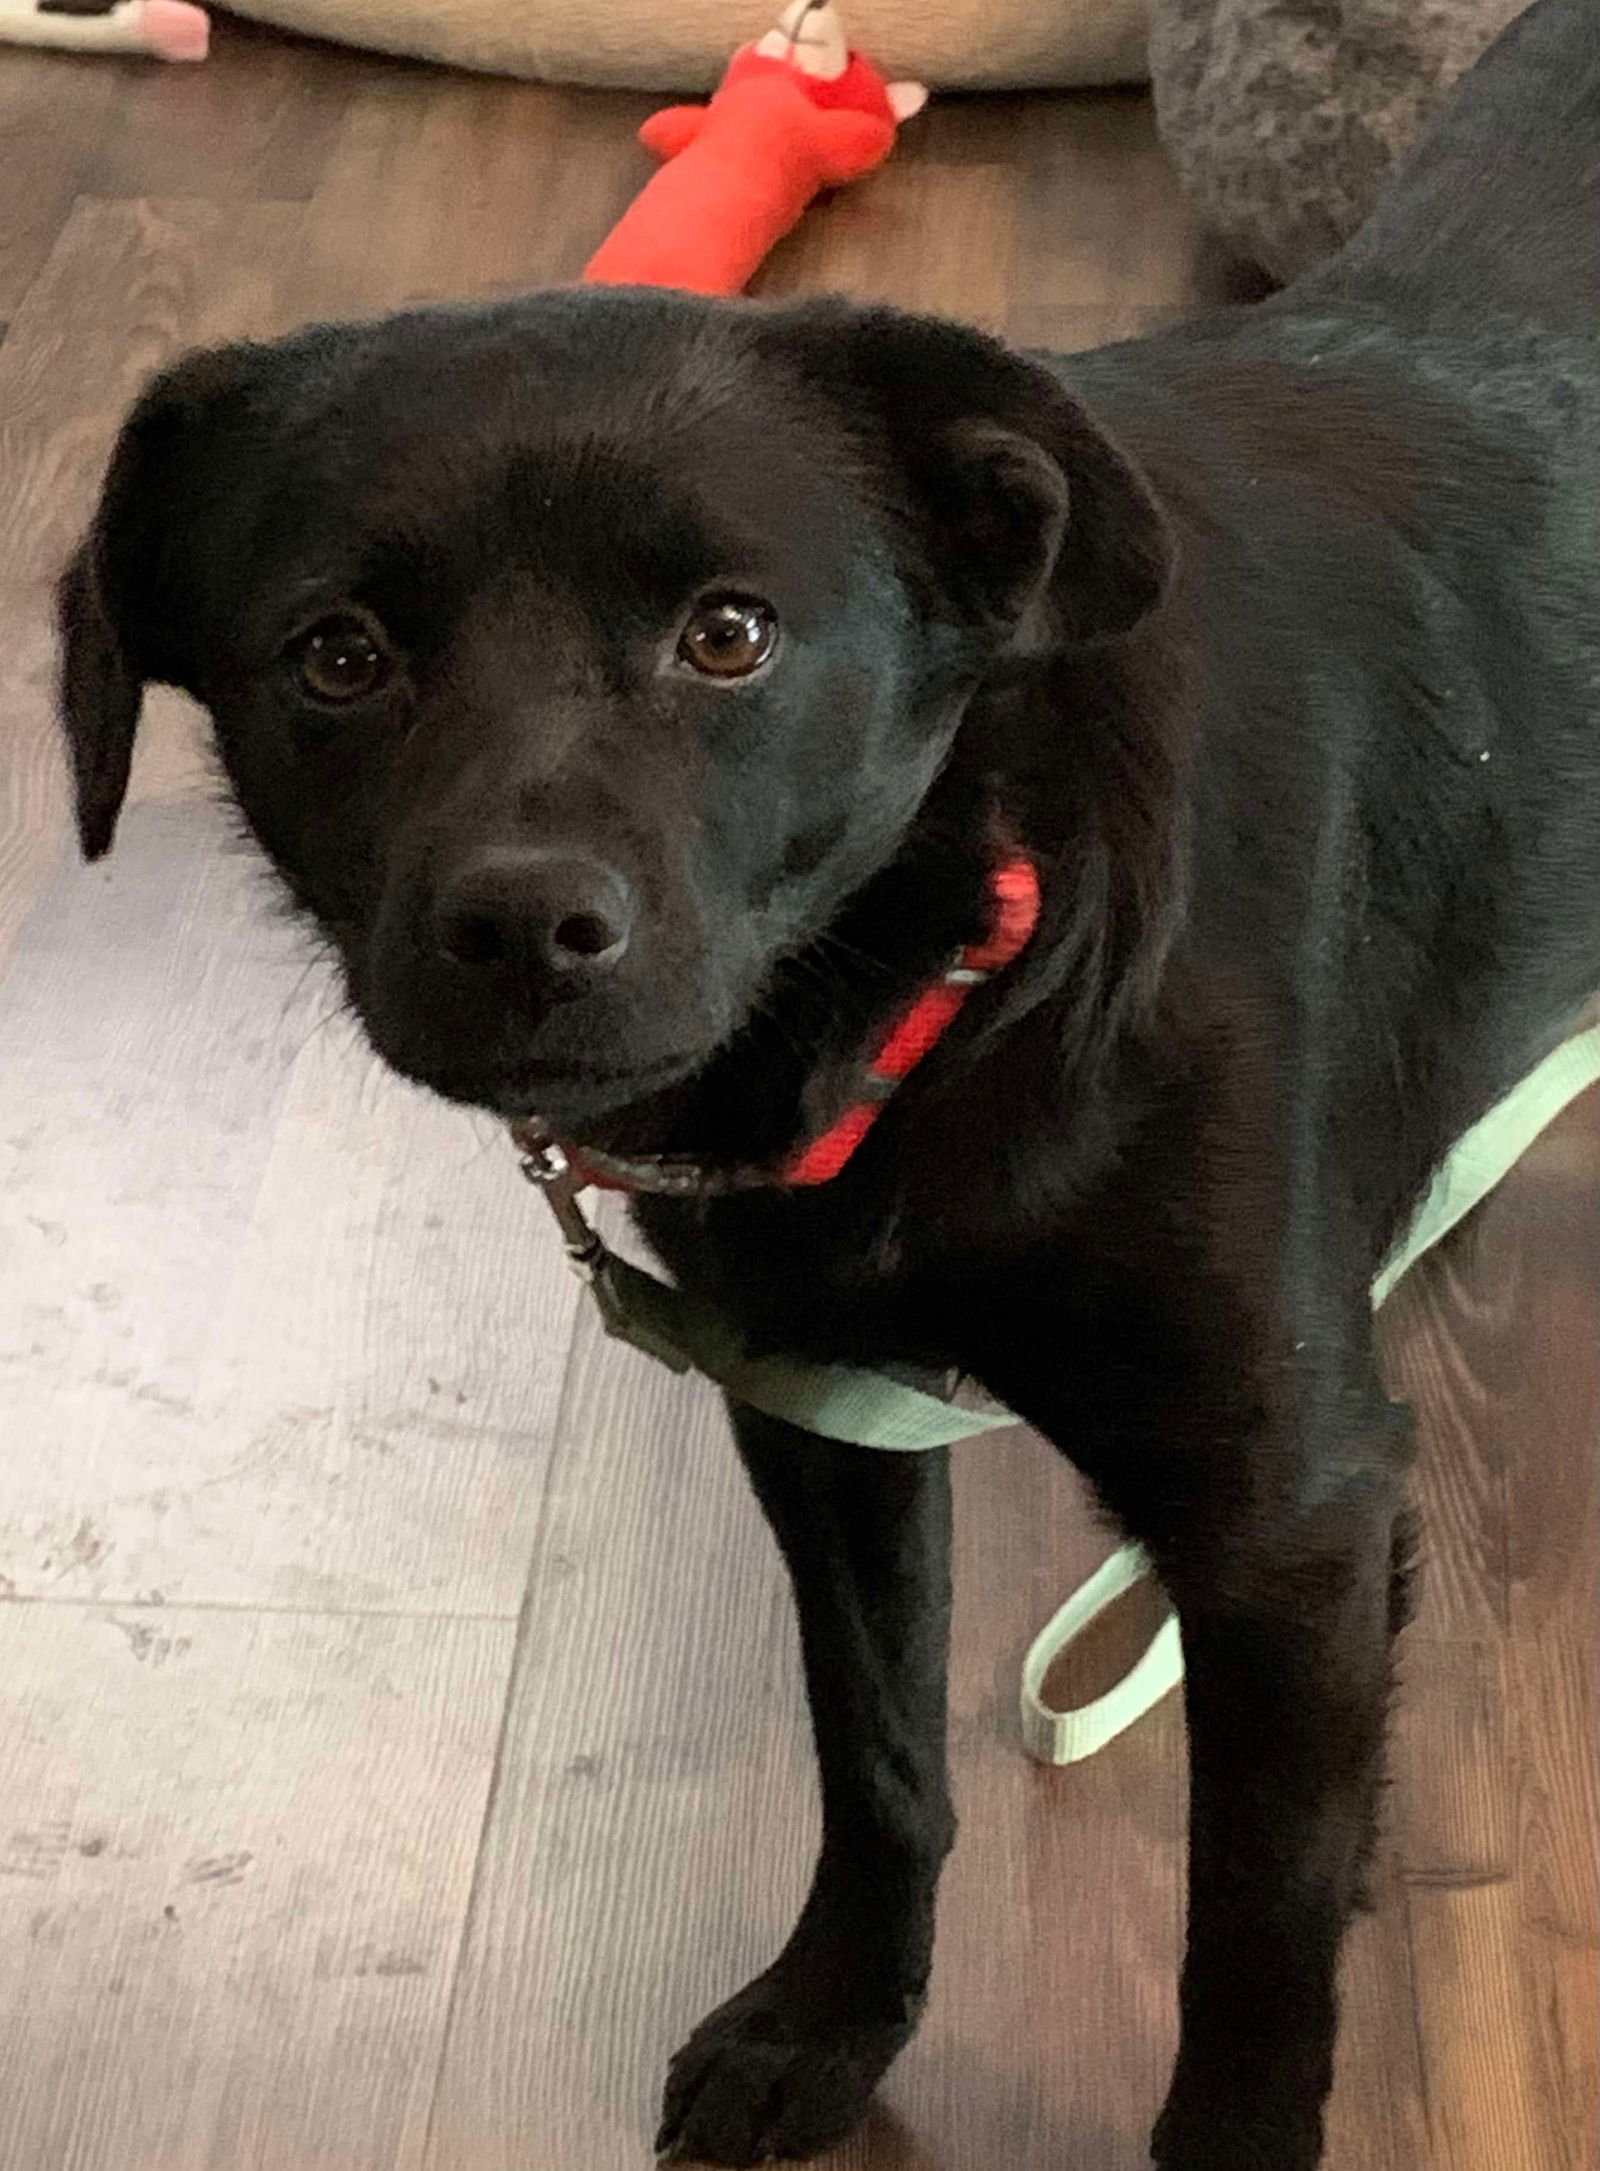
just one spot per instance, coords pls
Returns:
(341, 660)
(729, 636)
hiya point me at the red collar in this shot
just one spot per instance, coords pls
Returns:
(1013, 916)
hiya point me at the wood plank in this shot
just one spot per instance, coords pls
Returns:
(52, 107)
(1551, 1366)
(1497, 1787)
(654, 1818)
(1062, 1922)
(33, 795)
(170, 760)
(235, 1863)
(258, 120)
(922, 233)
(1378, 2113)
(147, 1027)
(1546, 1366)
(1102, 218)
(504, 186)
(294, 1331)
(378, 1404)
(1555, 1701)
(1452, 1804)
(127, 286)
(1476, 2001)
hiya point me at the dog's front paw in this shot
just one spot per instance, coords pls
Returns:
(773, 2074)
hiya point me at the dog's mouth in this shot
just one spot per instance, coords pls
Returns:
(747, 1092)
(590, 1102)
(836, 1104)
(585, 1086)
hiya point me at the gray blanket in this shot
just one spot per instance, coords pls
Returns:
(1286, 117)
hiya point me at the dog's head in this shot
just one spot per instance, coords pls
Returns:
(575, 659)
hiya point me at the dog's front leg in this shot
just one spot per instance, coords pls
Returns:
(1288, 1614)
(789, 2065)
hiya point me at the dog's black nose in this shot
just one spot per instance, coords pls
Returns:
(548, 912)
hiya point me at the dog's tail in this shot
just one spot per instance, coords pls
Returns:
(1500, 203)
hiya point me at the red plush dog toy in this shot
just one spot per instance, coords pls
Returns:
(797, 112)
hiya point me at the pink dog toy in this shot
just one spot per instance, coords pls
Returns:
(169, 29)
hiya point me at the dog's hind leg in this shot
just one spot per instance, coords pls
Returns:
(1272, 1502)
(1289, 1612)
(788, 2065)
(1286, 1718)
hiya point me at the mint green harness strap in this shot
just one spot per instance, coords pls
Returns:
(866, 1409)
(1469, 1172)
(1488, 1153)
(835, 1401)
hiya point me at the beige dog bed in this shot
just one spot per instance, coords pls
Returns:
(685, 44)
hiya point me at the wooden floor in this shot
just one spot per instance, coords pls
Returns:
(399, 1718)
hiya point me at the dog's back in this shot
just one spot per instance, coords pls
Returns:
(1500, 205)
(1386, 488)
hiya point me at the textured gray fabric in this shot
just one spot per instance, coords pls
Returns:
(1286, 117)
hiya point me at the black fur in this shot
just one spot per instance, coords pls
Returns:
(1276, 639)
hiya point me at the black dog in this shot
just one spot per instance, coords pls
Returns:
(638, 692)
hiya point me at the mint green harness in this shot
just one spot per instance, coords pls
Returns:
(867, 1409)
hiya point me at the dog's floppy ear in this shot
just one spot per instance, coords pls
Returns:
(101, 694)
(1022, 507)
(120, 603)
